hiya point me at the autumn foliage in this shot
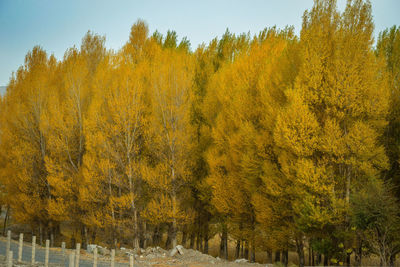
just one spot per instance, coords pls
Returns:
(275, 142)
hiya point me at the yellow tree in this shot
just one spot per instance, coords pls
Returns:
(388, 46)
(172, 134)
(116, 139)
(241, 159)
(328, 136)
(24, 140)
(66, 142)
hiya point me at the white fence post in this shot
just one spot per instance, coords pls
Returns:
(78, 251)
(20, 246)
(95, 257)
(46, 256)
(8, 245)
(33, 249)
(71, 259)
(10, 259)
(112, 257)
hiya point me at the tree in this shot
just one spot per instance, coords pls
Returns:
(24, 141)
(171, 134)
(375, 214)
(332, 146)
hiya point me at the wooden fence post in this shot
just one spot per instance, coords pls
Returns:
(46, 256)
(33, 249)
(8, 245)
(63, 251)
(131, 260)
(78, 251)
(10, 259)
(71, 259)
(20, 246)
(112, 257)
(95, 257)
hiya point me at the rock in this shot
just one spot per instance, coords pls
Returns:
(104, 251)
(241, 260)
(173, 252)
(150, 256)
(149, 250)
(90, 248)
(177, 249)
(180, 249)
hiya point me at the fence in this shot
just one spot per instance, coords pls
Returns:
(38, 255)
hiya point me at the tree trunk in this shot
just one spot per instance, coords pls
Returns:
(93, 236)
(168, 242)
(198, 241)
(135, 229)
(142, 234)
(358, 257)
(285, 257)
(5, 220)
(223, 249)
(312, 257)
(205, 250)
(156, 236)
(246, 250)
(41, 233)
(52, 237)
(84, 237)
(269, 256)
(392, 260)
(253, 252)
(319, 258)
(192, 237)
(348, 259)
(300, 250)
(326, 260)
(174, 225)
(277, 256)
(237, 251)
(184, 236)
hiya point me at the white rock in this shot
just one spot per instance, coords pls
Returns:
(241, 260)
(173, 252)
(90, 248)
(180, 249)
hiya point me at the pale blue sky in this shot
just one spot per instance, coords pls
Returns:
(57, 25)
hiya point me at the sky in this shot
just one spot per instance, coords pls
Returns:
(57, 25)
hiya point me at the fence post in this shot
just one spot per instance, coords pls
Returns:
(95, 257)
(130, 260)
(10, 259)
(8, 245)
(46, 256)
(63, 251)
(71, 259)
(78, 251)
(20, 246)
(33, 249)
(112, 257)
